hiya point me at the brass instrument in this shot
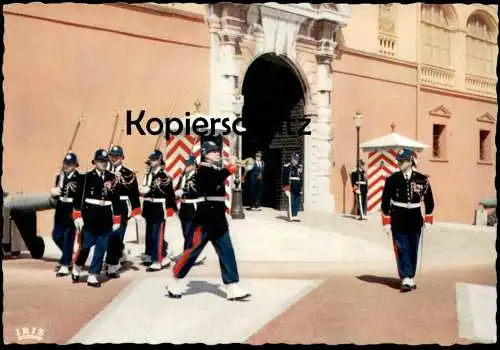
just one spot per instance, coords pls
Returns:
(248, 163)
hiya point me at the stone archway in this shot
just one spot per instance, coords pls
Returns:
(274, 98)
(303, 35)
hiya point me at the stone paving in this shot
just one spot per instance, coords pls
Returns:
(315, 281)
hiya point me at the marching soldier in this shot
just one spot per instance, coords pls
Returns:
(188, 197)
(96, 209)
(360, 188)
(210, 225)
(159, 202)
(255, 179)
(402, 197)
(63, 233)
(292, 185)
(130, 206)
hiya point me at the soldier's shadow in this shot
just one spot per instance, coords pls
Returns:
(390, 282)
(198, 287)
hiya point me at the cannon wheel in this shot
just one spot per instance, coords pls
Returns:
(26, 223)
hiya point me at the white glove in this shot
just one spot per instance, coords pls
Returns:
(56, 191)
(79, 224)
(116, 227)
(387, 229)
(427, 226)
(179, 193)
(144, 189)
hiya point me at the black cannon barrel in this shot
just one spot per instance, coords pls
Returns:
(22, 208)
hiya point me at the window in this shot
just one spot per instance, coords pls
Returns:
(436, 33)
(481, 51)
(484, 145)
(438, 141)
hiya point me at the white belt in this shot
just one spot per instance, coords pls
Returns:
(154, 200)
(406, 205)
(102, 203)
(212, 199)
(361, 183)
(295, 178)
(190, 200)
(66, 199)
(124, 198)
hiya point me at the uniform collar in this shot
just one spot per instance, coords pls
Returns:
(70, 175)
(408, 173)
(157, 170)
(98, 172)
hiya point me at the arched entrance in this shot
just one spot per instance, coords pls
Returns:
(272, 114)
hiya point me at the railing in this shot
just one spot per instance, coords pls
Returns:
(442, 77)
(480, 85)
(386, 45)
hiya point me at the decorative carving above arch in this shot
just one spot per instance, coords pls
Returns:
(440, 15)
(480, 24)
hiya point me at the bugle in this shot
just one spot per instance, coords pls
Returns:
(247, 163)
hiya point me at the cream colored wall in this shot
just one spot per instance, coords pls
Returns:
(361, 32)
(406, 31)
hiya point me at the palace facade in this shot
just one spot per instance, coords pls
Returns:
(428, 69)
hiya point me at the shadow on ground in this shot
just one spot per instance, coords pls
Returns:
(197, 287)
(390, 282)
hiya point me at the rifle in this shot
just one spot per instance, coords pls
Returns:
(114, 131)
(73, 138)
(121, 136)
(145, 182)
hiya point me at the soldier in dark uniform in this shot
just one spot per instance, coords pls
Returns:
(210, 225)
(292, 185)
(255, 180)
(96, 209)
(159, 202)
(63, 233)
(404, 192)
(130, 206)
(359, 184)
(188, 197)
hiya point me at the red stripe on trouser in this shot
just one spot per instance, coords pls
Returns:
(187, 253)
(395, 246)
(161, 236)
(80, 244)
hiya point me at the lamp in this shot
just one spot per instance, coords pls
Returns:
(358, 118)
(237, 211)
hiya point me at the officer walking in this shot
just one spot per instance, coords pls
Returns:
(130, 206)
(210, 225)
(360, 188)
(256, 182)
(402, 197)
(292, 185)
(96, 210)
(188, 197)
(159, 202)
(63, 233)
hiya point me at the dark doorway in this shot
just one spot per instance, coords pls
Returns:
(272, 114)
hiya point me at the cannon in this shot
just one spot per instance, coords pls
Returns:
(19, 213)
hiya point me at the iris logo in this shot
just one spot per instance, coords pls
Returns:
(27, 333)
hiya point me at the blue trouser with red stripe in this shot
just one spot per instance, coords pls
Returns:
(64, 238)
(86, 240)
(155, 236)
(223, 248)
(406, 250)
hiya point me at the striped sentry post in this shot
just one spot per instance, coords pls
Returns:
(178, 150)
(381, 164)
